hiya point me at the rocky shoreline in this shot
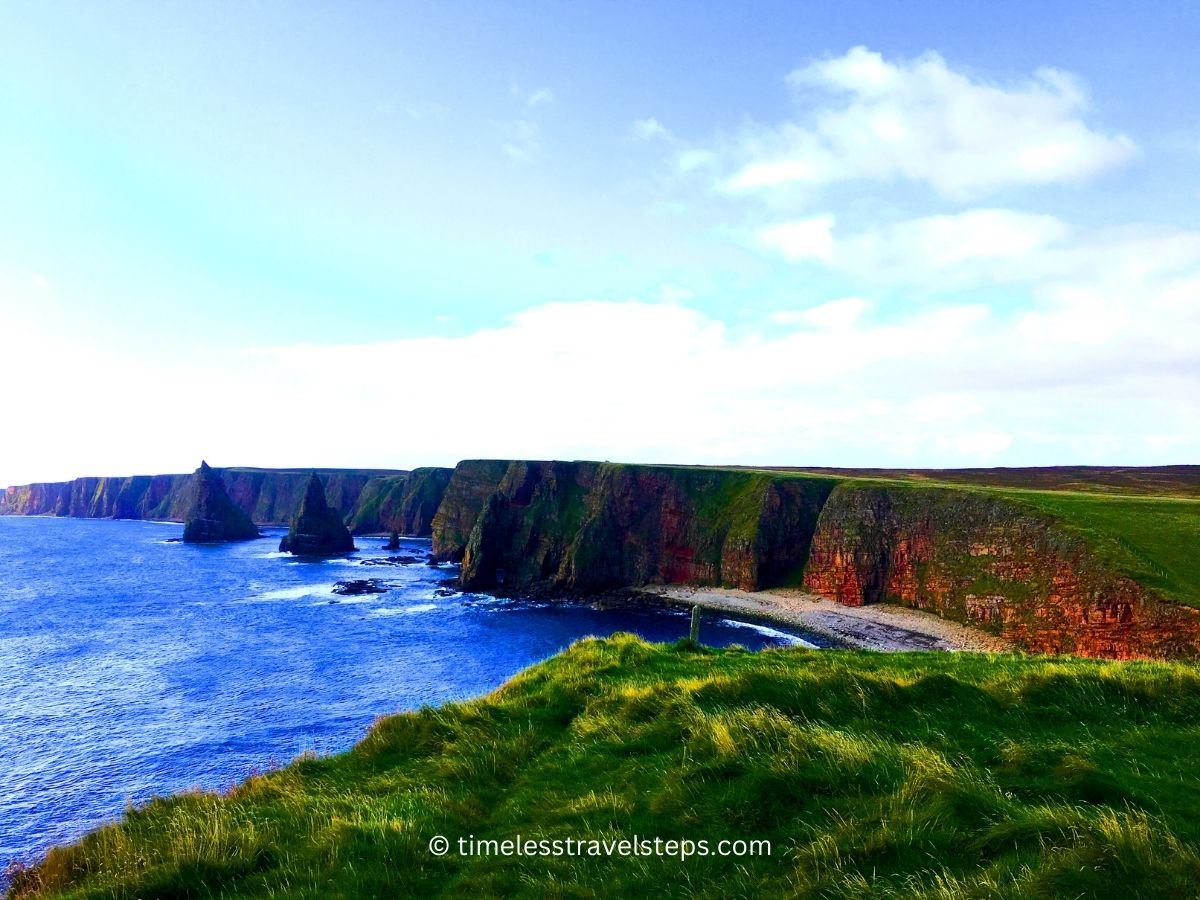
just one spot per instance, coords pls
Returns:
(880, 626)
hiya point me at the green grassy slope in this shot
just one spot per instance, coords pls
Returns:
(1145, 522)
(1156, 541)
(915, 775)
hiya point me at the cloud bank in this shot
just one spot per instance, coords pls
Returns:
(861, 117)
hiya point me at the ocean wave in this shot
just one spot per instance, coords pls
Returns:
(404, 610)
(774, 633)
(295, 592)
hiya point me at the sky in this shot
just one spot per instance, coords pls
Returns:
(394, 234)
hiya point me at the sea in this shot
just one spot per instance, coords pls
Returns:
(133, 665)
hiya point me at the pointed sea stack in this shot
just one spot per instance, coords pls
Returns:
(393, 541)
(318, 530)
(212, 517)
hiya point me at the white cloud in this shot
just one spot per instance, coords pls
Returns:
(525, 143)
(833, 315)
(649, 130)
(523, 135)
(666, 382)
(804, 239)
(945, 251)
(658, 382)
(693, 160)
(674, 293)
(521, 153)
(981, 247)
(866, 118)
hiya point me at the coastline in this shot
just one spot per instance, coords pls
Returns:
(882, 627)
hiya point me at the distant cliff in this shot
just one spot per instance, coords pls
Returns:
(1112, 573)
(592, 526)
(967, 554)
(405, 503)
(268, 496)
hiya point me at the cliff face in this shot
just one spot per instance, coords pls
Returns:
(966, 554)
(136, 497)
(592, 526)
(268, 496)
(991, 562)
(471, 485)
(404, 503)
(212, 517)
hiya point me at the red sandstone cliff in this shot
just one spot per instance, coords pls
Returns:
(991, 562)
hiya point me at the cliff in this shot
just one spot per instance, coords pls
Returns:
(268, 496)
(405, 503)
(468, 491)
(213, 518)
(1093, 576)
(1002, 564)
(318, 529)
(592, 526)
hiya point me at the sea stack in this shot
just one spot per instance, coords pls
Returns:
(393, 541)
(212, 517)
(318, 530)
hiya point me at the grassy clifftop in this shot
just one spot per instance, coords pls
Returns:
(1145, 522)
(1153, 539)
(915, 775)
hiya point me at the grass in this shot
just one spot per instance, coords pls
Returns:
(908, 775)
(1154, 540)
(1146, 529)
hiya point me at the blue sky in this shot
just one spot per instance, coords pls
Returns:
(403, 234)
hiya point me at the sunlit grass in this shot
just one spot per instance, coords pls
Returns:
(907, 775)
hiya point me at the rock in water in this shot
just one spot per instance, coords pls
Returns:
(393, 541)
(212, 517)
(318, 530)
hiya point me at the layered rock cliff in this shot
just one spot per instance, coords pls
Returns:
(212, 517)
(591, 526)
(404, 503)
(993, 562)
(967, 554)
(468, 491)
(268, 496)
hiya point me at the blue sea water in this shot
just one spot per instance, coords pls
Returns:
(131, 666)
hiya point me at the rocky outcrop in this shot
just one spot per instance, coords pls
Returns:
(318, 529)
(592, 526)
(268, 496)
(993, 562)
(405, 503)
(213, 518)
(468, 491)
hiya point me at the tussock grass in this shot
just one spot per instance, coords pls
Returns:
(903, 775)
